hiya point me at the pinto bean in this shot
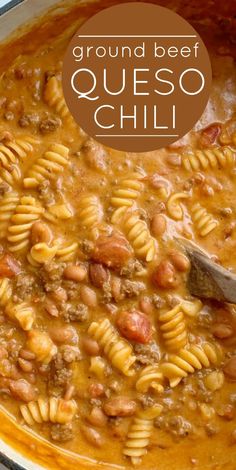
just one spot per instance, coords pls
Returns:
(95, 155)
(226, 411)
(75, 273)
(64, 334)
(98, 274)
(135, 326)
(51, 308)
(120, 406)
(40, 233)
(158, 225)
(26, 354)
(116, 288)
(113, 251)
(180, 261)
(4, 383)
(88, 296)
(164, 276)
(97, 417)
(7, 369)
(9, 266)
(230, 368)
(3, 353)
(59, 295)
(22, 390)
(92, 436)
(69, 392)
(146, 305)
(25, 365)
(90, 346)
(209, 135)
(222, 330)
(96, 390)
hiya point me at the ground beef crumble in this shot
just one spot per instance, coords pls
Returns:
(60, 375)
(132, 288)
(49, 124)
(147, 353)
(61, 432)
(75, 313)
(70, 353)
(132, 268)
(178, 426)
(51, 275)
(45, 193)
(24, 284)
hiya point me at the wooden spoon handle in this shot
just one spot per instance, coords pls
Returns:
(207, 279)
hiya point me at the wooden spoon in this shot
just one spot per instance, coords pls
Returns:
(207, 279)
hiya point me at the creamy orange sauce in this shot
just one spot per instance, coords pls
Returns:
(84, 206)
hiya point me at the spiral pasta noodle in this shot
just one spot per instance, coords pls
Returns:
(173, 328)
(7, 207)
(137, 232)
(18, 149)
(189, 359)
(150, 378)
(40, 343)
(26, 213)
(90, 211)
(5, 292)
(23, 313)
(11, 153)
(209, 158)
(191, 307)
(53, 96)
(67, 252)
(117, 350)
(173, 205)
(48, 166)
(203, 221)
(125, 194)
(58, 212)
(44, 410)
(140, 431)
(41, 253)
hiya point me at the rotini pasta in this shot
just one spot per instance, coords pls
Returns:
(8, 205)
(53, 409)
(173, 328)
(41, 253)
(125, 194)
(150, 378)
(67, 252)
(137, 232)
(48, 166)
(139, 434)
(5, 292)
(40, 343)
(189, 359)
(26, 213)
(209, 158)
(90, 211)
(174, 208)
(53, 96)
(98, 367)
(191, 307)
(17, 149)
(203, 221)
(11, 153)
(117, 350)
(23, 313)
